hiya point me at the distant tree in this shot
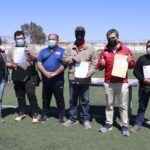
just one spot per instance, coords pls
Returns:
(3, 40)
(34, 32)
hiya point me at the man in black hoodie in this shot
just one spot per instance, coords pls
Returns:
(142, 73)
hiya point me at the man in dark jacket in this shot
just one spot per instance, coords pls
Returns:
(142, 73)
(21, 59)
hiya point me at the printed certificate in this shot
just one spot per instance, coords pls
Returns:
(146, 71)
(19, 55)
(81, 69)
(120, 66)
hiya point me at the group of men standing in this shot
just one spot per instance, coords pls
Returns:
(53, 60)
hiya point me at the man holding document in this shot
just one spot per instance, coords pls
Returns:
(81, 59)
(142, 73)
(21, 59)
(115, 59)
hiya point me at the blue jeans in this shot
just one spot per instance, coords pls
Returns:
(143, 103)
(76, 91)
(2, 86)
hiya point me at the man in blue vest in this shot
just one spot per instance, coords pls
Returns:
(52, 70)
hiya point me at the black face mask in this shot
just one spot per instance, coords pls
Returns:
(79, 37)
(112, 42)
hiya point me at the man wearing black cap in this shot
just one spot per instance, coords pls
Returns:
(76, 55)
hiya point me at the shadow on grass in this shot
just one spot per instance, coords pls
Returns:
(146, 122)
(96, 112)
(53, 112)
(9, 111)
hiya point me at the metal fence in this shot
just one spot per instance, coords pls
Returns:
(135, 46)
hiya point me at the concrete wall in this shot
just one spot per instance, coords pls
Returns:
(98, 46)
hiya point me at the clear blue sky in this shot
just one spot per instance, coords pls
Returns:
(130, 17)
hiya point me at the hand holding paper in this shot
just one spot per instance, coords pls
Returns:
(76, 59)
(129, 58)
(147, 81)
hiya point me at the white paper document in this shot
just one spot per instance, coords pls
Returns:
(120, 66)
(19, 55)
(81, 69)
(146, 71)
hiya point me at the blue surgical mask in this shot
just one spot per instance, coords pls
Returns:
(20, 42)
(51, 43)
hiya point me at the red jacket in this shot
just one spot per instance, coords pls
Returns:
(108, 56)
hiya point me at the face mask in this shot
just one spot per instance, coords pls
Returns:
(112, 42)
(148, 50)
(51, 43)
(20, 42)
(79, 35)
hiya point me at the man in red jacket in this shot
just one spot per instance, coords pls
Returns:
(115, 85)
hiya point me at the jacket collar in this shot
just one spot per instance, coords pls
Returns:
(85, 46)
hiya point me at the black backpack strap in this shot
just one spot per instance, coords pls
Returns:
(47, 57)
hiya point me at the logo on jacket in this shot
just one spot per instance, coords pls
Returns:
(58, 53)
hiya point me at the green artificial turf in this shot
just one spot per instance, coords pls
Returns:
(52, 136)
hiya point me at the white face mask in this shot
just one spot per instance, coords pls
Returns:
(148, 50)
(2, 48)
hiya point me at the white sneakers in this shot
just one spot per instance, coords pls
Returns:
(35, 119)
(87, 125)
(69, 123)
(20, 117)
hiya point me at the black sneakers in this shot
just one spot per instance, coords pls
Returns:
(43, 119)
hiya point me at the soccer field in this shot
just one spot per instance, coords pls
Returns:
(52, 136)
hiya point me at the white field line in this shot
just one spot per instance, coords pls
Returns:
(9, 106)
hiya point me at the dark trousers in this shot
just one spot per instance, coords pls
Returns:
(143, 103)
(57, 89)
(26, 88)
(77, 91)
